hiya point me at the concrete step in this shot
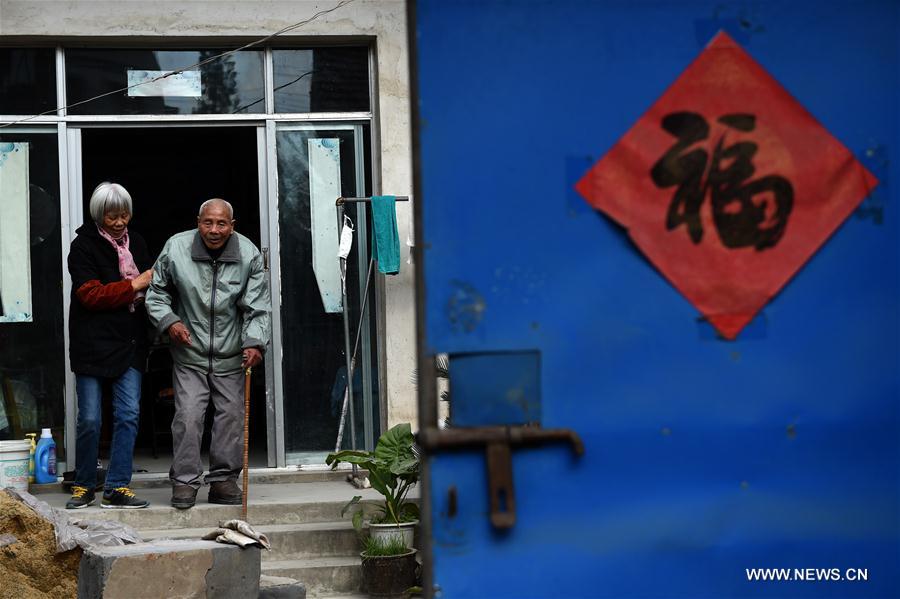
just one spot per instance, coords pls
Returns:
(283, 503)
(261, 476)
(289, 541)
(208, 516)
(278, 587)
(321, 576)
(312, 543)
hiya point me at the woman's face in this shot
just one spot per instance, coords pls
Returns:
(115, 223)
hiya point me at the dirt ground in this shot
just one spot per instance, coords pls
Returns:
(31, 568)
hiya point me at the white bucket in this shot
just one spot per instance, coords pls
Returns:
(14, 456)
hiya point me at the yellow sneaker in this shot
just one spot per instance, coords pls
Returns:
(81, 497)
(122, 498)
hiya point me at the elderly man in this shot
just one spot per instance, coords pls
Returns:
(209, 294)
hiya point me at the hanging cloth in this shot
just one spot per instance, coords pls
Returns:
(386, 241)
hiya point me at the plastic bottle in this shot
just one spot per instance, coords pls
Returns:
(45, 459)
(31, 437)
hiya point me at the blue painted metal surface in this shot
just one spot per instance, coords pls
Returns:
(493, 388)
(703, 458)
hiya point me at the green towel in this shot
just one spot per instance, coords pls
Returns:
(386, 240)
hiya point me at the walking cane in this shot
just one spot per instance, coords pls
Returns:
(246, 442)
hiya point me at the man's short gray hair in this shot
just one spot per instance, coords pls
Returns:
(215, 201)
(109, 197)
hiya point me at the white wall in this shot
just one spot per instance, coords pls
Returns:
(384, 20)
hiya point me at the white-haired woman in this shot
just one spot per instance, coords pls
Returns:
(110, 268)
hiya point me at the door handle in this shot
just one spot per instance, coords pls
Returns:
(265, 255)
(498, 442)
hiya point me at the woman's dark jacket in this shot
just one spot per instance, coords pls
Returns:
(105, 338)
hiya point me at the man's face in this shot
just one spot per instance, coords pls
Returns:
(215, 226)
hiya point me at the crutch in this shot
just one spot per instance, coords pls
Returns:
(246, 443)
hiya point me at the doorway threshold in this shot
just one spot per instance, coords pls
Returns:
(288, 474)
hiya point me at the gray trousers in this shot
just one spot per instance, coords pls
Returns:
(193, 392)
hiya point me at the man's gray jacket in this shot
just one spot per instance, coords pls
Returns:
(224, 303)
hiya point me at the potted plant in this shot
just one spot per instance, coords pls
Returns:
(393, 470)
(389, 567)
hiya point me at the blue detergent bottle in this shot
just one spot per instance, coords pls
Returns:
(45, 459)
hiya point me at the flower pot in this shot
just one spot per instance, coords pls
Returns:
(404, 531)
(389, 575)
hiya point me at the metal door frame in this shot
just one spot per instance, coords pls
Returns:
(71, 202)
(68, 130)
(365, 361)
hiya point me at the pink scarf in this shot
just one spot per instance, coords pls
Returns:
(127, 268)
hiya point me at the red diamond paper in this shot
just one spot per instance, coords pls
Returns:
(724, 87)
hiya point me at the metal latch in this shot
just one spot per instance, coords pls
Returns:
(498, 442)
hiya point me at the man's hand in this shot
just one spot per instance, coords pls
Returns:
(142, 281)
(252, 357)
(179, 334)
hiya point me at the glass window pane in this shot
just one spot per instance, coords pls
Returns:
(322, 80)
(32, 359)
(229, 85)
(313, 361)
(27, 80)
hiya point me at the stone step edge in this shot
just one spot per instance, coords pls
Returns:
(266, 581)
(318, 574)
(157, 480)
(268, 529)
(338, 531)
(310, 563)
(272, 587)
(164, 517)
(252, 505)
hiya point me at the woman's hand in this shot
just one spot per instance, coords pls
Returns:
(142, 281)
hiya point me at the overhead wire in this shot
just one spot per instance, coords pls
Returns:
(205, 61)
(282, 86)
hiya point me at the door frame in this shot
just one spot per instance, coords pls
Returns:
(69, 136)
(72, 211)
(365, 357)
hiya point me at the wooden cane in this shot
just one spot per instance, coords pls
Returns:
(246, 442)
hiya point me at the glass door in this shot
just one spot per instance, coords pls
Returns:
(32, 356)
(316, 164)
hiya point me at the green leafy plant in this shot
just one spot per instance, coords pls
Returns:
(393, 470)
(379, 547)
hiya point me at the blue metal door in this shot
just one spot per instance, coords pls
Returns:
(708, 465)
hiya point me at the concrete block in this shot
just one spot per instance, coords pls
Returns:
(170, 569)
(279, 587)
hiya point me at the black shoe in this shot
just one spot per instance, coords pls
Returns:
(225, 492)
(183, 496)
(81, 497)
(122, 498)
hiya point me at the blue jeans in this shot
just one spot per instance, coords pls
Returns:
(126, 408)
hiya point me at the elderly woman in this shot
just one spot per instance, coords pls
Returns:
(110, 269)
